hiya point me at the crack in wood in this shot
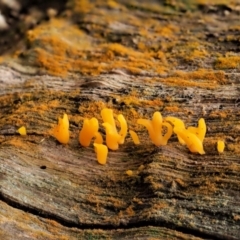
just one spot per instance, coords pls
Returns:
(71, 224)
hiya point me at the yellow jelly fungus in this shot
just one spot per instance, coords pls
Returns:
(220, 146)
(98, 138)
(22, 131)
(112, 137)
(199, 131)
(202, 129)
(107, 116)
(177, 123)
(129, 172)
(88, 131)
(134, 137)
(168, 134)
(193, 130)
(102, 152)
(148, 124)
(61, 131)
(157, 122)
(154, 128)
(193, 143)
(124, 128)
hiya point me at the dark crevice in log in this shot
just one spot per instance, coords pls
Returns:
(150, 223)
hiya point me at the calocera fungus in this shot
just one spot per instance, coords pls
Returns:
(199, 131)
(107, 116)
(124, 128)
(98, 138)
(193, 143)
(220, 146)
(159, 129)
(113, 138)
(154, 128)
(89, 131)
(192, 136)
(129, 172)
(61, 131)
(177, 123)
(134, 137)
(22, 131)
(168, 134)
(102, 152)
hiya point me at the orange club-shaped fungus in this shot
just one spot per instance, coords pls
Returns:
(113, 138)
(98, 138)
(192, 136)
(107, 116)
(220, 146)
(155, 129)
(159, 130)
(89, 131)
(22, 131)
(193, 143)
(61, 131)
(134, 137)
(199, 131)
(102, 152)
(124, 128)
(177, 123)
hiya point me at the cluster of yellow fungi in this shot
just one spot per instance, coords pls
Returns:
(159, 129)
(192, 136)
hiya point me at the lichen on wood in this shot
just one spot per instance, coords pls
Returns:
(180, 58)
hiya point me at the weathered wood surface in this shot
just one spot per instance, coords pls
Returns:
(135, 58)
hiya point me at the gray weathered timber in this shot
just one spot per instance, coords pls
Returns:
(54, 191)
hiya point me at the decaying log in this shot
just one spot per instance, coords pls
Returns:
(136, 58)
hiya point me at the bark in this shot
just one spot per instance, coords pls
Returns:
(180, 59)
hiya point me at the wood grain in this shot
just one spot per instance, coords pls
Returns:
(136, 59)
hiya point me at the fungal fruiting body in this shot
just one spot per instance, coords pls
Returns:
(22, 131)
(157, 121)
(107, 116)
(202, 129)
(220, 146)
(154, 128)
(148, 125)
(199, 131)
(102, 152)
(193, 143)
(124, 128)
(159, 130)
(113, 138)
(129, 172)
(177, 123)
(134, 137)
(61, 131)
(98, 138)
(88, 131)
(156, 138)
(168, 134)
